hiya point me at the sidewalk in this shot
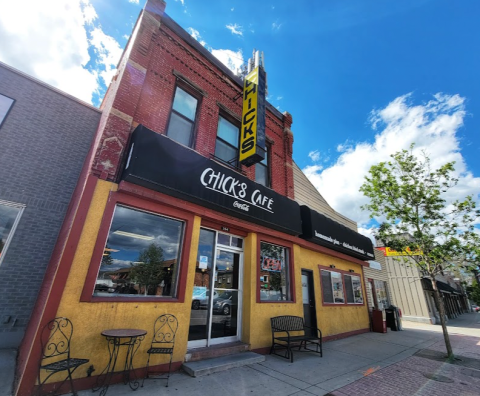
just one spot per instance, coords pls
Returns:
(367, 364)
(399, 363)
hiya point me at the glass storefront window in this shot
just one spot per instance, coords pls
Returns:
(332, 287)
(9, 217)
(381, 294)
(353, 289)
(274, 273)
(141, 257)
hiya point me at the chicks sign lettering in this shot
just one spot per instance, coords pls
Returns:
(252, 137)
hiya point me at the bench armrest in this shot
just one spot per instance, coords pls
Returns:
(319, 332)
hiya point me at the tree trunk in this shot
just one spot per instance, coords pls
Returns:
(441, 310)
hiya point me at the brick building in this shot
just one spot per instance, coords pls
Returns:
(45, 136)
(169, 221)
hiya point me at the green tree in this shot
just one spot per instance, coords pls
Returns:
(474, 292)
(107, 256)
(408, 197)
(149, 269)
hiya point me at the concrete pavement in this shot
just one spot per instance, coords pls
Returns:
(399, 363)
(367, 364)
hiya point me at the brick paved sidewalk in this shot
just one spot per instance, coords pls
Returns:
(427, 373)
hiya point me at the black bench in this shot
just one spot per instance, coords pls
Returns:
(282, 337)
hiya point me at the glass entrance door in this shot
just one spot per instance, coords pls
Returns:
(216, 301)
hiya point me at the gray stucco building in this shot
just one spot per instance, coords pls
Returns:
(45, 136)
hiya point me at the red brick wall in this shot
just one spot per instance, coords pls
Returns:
(144, 92)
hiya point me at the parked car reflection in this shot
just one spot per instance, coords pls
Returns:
(223, 303)
(200, 298)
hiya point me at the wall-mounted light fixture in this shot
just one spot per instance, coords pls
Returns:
(332, 266)
(350, 270)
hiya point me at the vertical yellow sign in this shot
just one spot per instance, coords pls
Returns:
(248, 137)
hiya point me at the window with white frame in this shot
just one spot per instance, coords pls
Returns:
(381, 294)
(10, 214)
(181, 127)
(332, 287)
(226, 146)
(339, 288)
(5, 106)
(353, 289)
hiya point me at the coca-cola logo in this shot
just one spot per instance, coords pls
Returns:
(239, 205)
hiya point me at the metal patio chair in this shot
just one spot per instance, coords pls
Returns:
(55, 342)
(163, 341)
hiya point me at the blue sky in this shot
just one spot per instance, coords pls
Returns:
(362, 79)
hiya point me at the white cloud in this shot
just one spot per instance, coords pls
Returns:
(314, 155)
(368, 232)
(134, 1)
(108, 51)
(276, 26)
(235, 29)
(194, 33)
(49, 40)
(233, 60)
(432, 126)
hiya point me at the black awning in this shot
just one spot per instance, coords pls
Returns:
(324, 231)
(442, 286)
(161, 164)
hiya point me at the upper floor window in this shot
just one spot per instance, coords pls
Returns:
(9, 216)
(182, 119)
(5, 105)
(262, 170)
(226, 147)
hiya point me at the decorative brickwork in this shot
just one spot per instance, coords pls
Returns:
(159, 55)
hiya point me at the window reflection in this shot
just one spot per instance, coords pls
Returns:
(274, 273)
(9, 215)
(262, 173)
(226, 147)
(202, 286)
(182, 118)
(381, 294)
(5, 105)
(141, 256)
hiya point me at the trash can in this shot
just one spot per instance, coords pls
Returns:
(393, 318)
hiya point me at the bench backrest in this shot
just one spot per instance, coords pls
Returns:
(287, 323)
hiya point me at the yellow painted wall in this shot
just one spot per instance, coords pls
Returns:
(331, 320)
(91, 318)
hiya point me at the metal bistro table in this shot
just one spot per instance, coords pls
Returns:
(131, 338)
